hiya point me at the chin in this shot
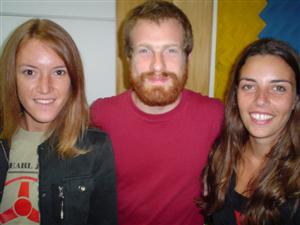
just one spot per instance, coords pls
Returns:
(45, 118)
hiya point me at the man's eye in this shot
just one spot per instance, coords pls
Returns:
(144, 51)
(172, 50)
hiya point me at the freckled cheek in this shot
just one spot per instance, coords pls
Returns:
(64, 88)
(24, 88)
(178, 64)
(139, 66)
(179, 68)
(243, 103)
(240, 99)
(25, 96)
(284, 105)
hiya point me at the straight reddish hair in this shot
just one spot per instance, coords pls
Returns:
(73, 119)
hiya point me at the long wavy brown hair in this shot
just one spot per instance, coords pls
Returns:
(279, 180)
(73, 119)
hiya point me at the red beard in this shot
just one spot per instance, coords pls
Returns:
(158, 96)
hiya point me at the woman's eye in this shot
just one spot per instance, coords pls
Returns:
(60, 72)
(28, 72)
(247, 87)
(279, 88)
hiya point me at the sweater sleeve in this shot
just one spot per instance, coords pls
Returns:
(94, 112)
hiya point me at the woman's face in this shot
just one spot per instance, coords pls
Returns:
(266, 96)
(43, 84)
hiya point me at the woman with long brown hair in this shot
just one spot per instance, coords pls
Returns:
(54, 168)
(253, 172)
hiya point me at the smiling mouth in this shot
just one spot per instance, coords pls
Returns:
(44, 101)
(261, 116)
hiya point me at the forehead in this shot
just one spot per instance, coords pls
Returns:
(267, 67)
(165, 31)
(32, 43)
(36, 50)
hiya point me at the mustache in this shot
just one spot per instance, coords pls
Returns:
(163, 74)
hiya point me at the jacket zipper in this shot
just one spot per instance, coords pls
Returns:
(61, 199)
(4, 152)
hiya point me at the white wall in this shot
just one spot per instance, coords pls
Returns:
(92, 24)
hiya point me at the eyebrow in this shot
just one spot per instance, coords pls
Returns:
(150, 46)
(272, 81)
(24, 64)
(35, 67)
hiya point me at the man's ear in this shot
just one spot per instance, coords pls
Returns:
(189, 57)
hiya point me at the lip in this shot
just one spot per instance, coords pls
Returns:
(44, 101)
(261, 118)
(158, 79)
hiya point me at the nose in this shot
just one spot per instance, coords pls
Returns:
(262, 97)
(158, 63)
(44, 84)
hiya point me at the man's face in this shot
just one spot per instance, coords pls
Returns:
(158, 64)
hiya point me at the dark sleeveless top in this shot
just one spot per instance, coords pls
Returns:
(235, 204)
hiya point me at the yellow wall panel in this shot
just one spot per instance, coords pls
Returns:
(238, 24)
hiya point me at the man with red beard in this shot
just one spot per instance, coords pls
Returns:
(161, 132)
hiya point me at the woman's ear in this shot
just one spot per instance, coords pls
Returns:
(296, 101)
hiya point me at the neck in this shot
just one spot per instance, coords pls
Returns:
(32, 128)
(153, 109)
(258, 148)
(252, 162)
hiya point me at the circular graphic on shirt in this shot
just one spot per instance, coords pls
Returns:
(20, 205)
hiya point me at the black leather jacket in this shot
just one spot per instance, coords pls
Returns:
(77, 191)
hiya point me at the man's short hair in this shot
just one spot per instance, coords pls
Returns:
(157, 11)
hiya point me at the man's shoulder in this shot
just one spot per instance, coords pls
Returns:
(205, 102)
(207, 111)
(105, 110)
(110, 102)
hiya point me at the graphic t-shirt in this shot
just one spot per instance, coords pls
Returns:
(19, 204)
